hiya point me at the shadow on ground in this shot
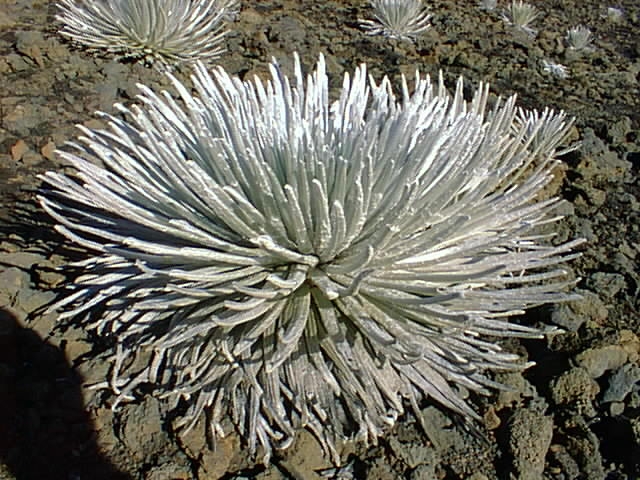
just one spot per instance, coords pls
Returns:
(45, 431)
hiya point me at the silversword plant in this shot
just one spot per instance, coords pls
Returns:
(165, 33)
(270, 256)
(398, 19)
(614, 14)
(555, 69)
(520, 15)
(579, 38)
(488, 5)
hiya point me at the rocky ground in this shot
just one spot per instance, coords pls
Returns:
(575, 415)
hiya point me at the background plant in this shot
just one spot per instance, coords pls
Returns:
(161, 32)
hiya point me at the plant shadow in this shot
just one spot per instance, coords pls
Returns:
(45, 431)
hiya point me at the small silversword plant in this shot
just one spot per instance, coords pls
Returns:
(520, 15)
(579, 38)
(398, 19)
(488, 5)
(555, 69)
(165, 33)
(287, 261)
(614, 14)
